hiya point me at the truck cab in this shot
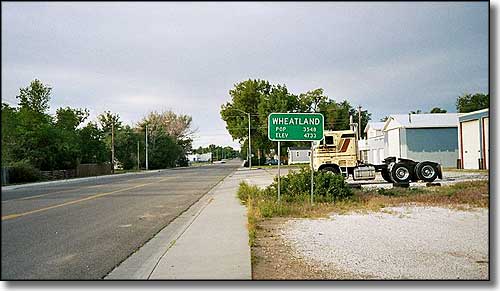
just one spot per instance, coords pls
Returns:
(337, 151)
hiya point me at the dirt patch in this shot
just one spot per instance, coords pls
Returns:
(274, 259)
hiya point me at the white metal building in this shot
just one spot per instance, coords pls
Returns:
(207, 157)
(473, 139)
(299, 155)
(372, 148)
(420, 137)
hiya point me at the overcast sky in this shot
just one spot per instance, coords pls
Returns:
(132, 58)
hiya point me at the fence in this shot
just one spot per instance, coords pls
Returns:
(82, 170)
(88, 170)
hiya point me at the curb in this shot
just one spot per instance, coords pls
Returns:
(141, 264)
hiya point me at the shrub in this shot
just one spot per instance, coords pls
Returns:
(23, 171)
(245, 192)
(296, 187)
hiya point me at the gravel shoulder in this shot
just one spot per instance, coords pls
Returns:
(407, 242)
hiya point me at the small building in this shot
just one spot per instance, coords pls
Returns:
(372, 148)
(299, 155)
(196, 158)
(421, 137)
(473, 140)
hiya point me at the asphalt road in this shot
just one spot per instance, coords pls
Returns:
(83, 230)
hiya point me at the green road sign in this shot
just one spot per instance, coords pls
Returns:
(295, 126)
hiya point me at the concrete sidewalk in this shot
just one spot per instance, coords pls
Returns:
(208, 241)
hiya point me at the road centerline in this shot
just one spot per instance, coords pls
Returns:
(16, 215)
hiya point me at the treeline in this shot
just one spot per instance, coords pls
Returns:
(464, 104)
(218, 152)
(260, 98)
(32, 137)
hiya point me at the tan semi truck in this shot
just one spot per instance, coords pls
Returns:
(338, 152)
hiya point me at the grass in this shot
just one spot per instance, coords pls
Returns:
(262, 206)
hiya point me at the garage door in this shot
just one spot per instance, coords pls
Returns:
(486, 130)
(471, 144)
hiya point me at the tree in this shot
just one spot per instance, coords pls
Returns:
(165, 152)
(438, 110)
(10, 123)
(35, 97)
(258, 96)
(68, 142)
(416, 112)
(126, 146)
(311, 100)
(92, 147)
(107, 120)
(35, 134)
(176, 126)
(69, 118)
(468, 103)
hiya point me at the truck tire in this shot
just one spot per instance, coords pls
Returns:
(426, 171)
(400, 173)
(386, 175)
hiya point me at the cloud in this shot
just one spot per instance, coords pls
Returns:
(135, 57)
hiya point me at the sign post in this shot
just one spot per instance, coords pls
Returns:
(295, 127)
(312, 174)
(279, 174)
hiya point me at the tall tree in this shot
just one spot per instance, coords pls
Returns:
(468, 103)
(35, 97)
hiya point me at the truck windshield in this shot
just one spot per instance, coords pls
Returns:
(329, 140)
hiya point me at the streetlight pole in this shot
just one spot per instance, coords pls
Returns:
(147, 147)
(113, 146)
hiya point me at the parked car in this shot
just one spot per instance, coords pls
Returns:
(272, 162)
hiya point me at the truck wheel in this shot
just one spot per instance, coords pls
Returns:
(386, 175)
(332, 170)
(426, 171)
(400, 173)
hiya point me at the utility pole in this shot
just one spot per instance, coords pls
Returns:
(112, 146)
(359, 122)
(147, 147)
(249, 145)
(138, 162)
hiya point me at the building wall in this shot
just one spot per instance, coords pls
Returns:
(392, 143)
(473, 136)
(371, 133)
(298, 156)
(433, 144)
(372, 149)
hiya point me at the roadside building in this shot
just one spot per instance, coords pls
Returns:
(420, 137)
(372, 148)
(473, 140)
(298, 155)
(197, 158)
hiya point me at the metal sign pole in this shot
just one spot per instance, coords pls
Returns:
(312, 174)
(279, 173)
